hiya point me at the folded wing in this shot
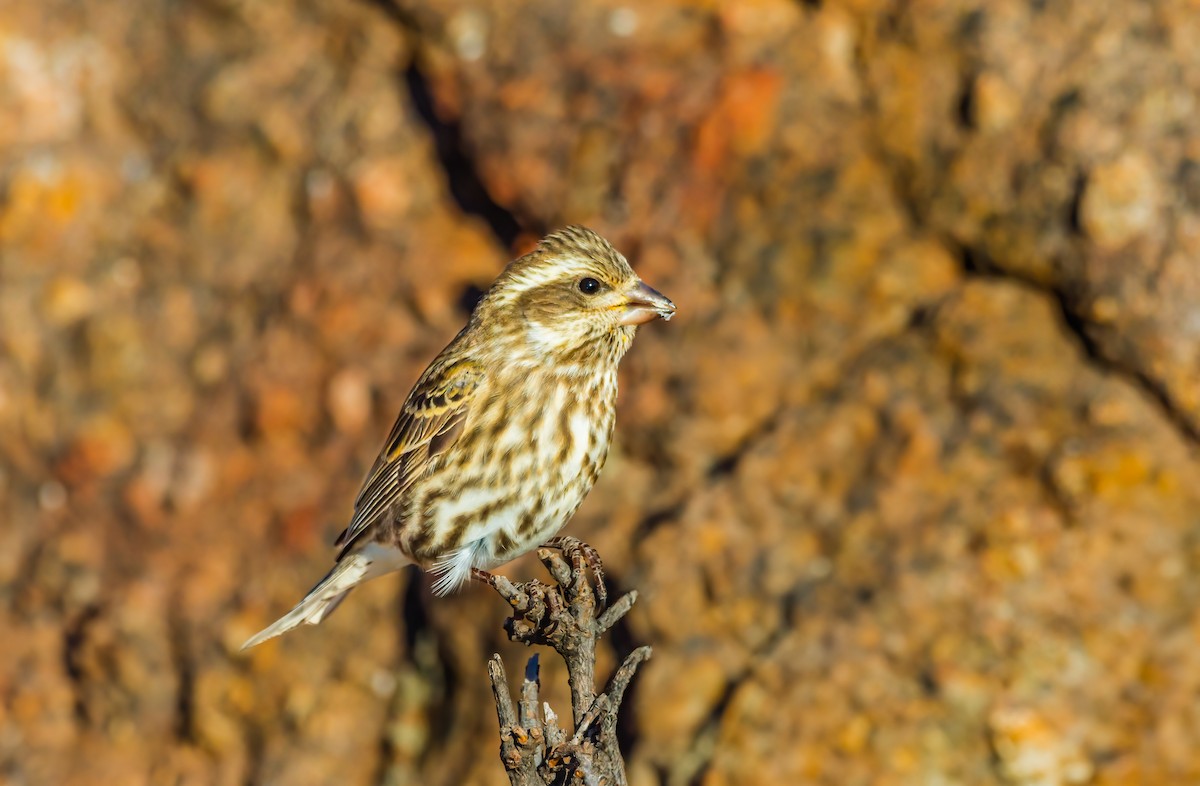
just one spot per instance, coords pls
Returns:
(429, 423)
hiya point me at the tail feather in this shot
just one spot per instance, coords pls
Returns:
(327, 595)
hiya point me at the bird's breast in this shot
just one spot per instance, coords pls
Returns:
(567, 446)
(532, 455)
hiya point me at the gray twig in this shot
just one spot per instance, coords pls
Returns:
(565, 616)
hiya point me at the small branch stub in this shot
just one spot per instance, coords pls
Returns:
(567, 616)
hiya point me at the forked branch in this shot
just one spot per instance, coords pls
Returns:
(567, 617)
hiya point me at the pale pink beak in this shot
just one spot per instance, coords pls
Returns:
(643, 304)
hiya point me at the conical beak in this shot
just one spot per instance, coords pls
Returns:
(643, 303)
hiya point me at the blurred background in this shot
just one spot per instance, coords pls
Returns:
(909, 487)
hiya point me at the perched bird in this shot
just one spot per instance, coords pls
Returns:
(504, 433)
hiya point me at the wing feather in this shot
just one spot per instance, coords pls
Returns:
(430, 421)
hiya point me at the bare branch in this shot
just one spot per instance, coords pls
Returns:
(624, 675)
(556, 565)
(565, 616)
(600, 707)
(616, 611)
(529, 693)
(504, 705)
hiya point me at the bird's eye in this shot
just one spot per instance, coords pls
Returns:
(589, 286)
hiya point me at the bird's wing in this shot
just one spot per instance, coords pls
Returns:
(429, 422)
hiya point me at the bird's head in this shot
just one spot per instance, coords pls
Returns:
(573, 294)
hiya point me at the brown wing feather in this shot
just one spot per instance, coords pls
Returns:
(429, 423)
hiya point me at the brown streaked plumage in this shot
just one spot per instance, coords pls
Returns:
(506, 431)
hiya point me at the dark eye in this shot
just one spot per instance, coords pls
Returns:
(589, 286)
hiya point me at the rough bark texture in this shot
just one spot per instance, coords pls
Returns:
(908, 489)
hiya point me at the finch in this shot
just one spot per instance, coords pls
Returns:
(504, 433)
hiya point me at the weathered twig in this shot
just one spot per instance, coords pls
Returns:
(534, 748)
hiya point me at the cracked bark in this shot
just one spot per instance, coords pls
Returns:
(567, 617)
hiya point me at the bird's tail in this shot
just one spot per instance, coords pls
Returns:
(350, 571)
